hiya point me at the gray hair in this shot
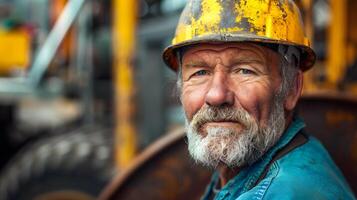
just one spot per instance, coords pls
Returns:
(289, 67)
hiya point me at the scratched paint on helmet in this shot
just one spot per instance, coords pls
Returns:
(229, 15)
(254, 13)
(205, 22)
(272, 21)
(275, 19)
(210, 18)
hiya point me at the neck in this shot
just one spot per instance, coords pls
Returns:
(288, 120)
(226, 173)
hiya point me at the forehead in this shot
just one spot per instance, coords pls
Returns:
(230, 50)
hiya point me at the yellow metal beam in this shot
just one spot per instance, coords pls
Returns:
(307, 10)
(336, 63)
(124, 32)
(308, 19)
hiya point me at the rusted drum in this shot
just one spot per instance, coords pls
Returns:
(165, 170)
(333, 119)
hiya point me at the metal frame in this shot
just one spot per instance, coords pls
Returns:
(19, 86)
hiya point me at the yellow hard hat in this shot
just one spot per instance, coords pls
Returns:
(261, 21)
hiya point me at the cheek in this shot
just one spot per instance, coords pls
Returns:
(192, 100)
(257, 100)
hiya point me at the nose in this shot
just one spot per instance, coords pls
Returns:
(219, 93)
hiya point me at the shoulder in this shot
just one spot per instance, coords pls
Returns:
(306, 172)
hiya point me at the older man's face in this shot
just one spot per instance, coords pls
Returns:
(230, 95)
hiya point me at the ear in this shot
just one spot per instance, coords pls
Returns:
(294, 93)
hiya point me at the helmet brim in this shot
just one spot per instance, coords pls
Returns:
(308, 56)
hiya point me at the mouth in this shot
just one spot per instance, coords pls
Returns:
(221, 124)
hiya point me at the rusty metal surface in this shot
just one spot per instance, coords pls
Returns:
(165, 170)
(332, 118)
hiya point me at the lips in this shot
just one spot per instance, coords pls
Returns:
(228, 117)
(222, 124)
(229, 124)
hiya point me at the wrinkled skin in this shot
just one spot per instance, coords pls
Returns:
(241, 75)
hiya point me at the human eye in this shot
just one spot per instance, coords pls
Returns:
(246, 71)
(200, 73)
(243, 70)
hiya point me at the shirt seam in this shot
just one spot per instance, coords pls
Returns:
(266, 183)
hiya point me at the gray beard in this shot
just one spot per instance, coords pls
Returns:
(224, 145)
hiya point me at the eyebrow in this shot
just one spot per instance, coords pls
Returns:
(234, 61)
(194, 64)
(244, 60)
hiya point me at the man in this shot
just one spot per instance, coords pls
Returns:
(240, 71)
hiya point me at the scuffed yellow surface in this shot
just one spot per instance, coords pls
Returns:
(15, 50)
(264, 18)
(210, 16)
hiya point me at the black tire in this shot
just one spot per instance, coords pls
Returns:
(71, 166)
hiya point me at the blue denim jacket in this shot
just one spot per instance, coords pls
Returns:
(306, 172)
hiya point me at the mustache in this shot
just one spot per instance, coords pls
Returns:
(218, 114)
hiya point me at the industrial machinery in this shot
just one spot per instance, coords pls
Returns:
(61, 140)
(87, 92)
(53, 145)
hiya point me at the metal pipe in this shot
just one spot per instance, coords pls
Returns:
(336, 62)
(124, 33)
(51, 45)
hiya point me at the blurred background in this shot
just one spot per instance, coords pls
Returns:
(83, 88)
